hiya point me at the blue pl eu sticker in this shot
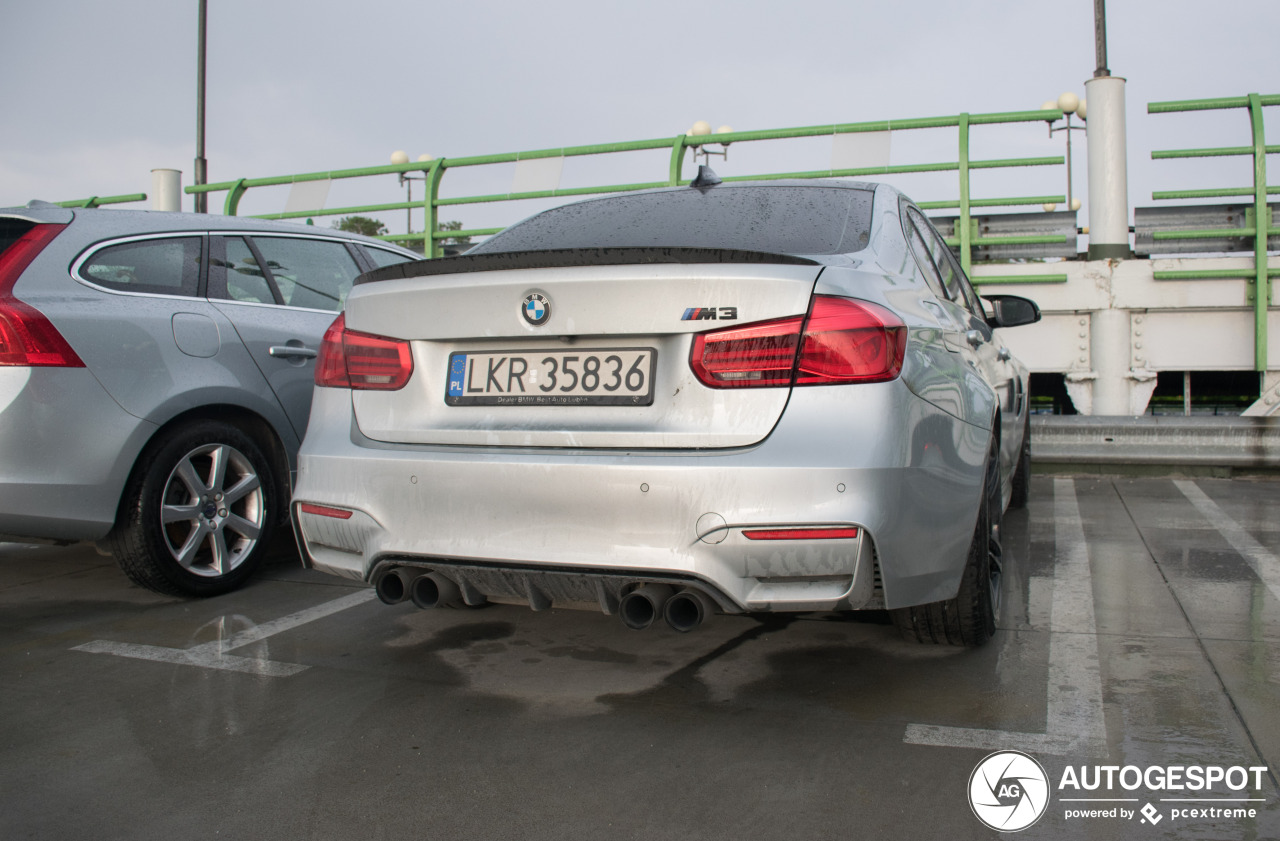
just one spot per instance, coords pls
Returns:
(457, 371)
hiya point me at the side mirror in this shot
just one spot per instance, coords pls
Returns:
(1012, 311)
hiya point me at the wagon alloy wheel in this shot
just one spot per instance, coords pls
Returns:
(198, 513)
(212, 510)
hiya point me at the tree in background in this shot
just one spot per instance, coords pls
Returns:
(373, 228)
(454, 226)
(361, 225)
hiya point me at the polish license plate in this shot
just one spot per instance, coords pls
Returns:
(574, 377)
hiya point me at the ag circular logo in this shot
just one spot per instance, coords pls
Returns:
(1008, 791)
(536, 308)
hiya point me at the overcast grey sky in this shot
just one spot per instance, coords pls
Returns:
(99, 93)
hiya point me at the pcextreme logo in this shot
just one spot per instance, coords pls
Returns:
(1010, 790)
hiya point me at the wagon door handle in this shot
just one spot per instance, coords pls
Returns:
(289, 351)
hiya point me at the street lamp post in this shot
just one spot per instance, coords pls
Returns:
(703, 129)
(201, 200)
(1068, 104)
(400, 156)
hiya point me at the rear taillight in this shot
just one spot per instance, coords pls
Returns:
(358, 360)
(27, 338)
(850, 341)
(840, 341)
(756, 355)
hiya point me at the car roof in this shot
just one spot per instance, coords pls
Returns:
(39, 212)
(99, 223)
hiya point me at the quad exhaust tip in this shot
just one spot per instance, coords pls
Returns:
(392, 586)
(641, 606)
(427, 590)
(683, 611)
(434, 590)
(687, 609)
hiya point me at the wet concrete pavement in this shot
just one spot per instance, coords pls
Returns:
(1139, 629)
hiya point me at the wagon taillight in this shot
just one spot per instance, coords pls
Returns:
(27, 337)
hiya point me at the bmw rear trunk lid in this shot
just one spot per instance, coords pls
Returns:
(582, 350)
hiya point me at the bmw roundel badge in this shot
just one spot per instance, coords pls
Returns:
(536, 308)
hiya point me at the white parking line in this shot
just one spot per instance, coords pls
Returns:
(193, 657)
(1074, 722)
(1265, 564)
(213, 655)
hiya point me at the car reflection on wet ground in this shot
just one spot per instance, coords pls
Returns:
(1139, 630)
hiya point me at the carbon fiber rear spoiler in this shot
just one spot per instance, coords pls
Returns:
(567, 257)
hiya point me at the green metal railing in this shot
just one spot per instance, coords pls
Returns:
(1007, 279)
(434, 172)
(1258, 221)
(99, 201)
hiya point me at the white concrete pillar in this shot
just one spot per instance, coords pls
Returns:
(1108, 169)
(1109, 335)
(166, 189)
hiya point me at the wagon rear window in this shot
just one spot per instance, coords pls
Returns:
(168, 266)
(11, 230)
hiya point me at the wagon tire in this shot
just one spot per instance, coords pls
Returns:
(197, 515)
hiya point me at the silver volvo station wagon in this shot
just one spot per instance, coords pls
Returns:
(156, 374)
(726, 397)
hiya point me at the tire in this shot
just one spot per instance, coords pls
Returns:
(968, 619)
(1022, 471)
(198, 512)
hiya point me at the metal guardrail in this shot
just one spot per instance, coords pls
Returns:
(434, 171)
(1205, 228)
(1258, 224)
(999, 237)
(1221, 441)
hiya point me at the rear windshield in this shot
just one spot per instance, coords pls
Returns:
(11, 230)
(776, 219)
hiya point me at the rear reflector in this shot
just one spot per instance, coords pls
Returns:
(841, 340)
(325, 511)
(837, 533)
(361, 361)
(27, 338)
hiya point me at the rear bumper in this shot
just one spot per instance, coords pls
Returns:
(66, 449)
(905, 475)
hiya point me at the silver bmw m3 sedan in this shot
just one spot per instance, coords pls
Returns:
(720, 398)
